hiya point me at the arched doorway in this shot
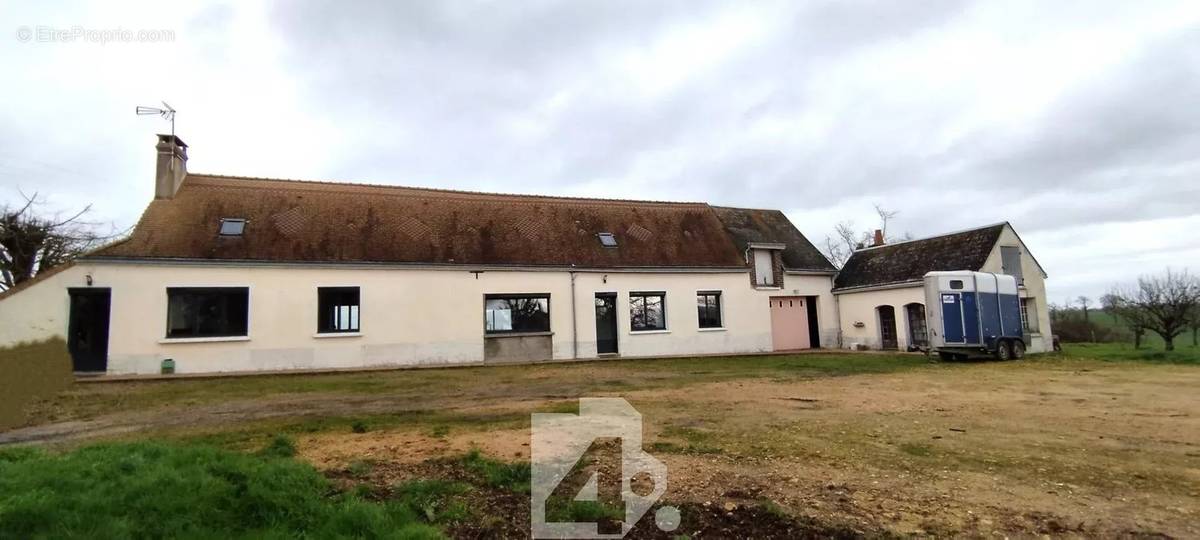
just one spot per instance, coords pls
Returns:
(887, 327)
(918, 334)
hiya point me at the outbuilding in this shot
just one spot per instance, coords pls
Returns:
(881, 297)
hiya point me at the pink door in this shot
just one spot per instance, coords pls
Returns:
(789, 323)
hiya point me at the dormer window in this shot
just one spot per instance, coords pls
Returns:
(764, 268)
(607, 239)
(232, 226)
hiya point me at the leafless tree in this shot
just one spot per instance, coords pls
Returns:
(846, 239)
(1084, 302)
(1167, 304)
(31, 243)
(1115, 304)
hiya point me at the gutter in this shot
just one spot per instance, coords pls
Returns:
(574, 322)
(882, 287)
(411, 266)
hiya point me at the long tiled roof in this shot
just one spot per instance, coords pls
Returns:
(299, 221)
(910, 261)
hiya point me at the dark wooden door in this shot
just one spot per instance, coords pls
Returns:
(606, 323)
(87, 329)
(887, 327)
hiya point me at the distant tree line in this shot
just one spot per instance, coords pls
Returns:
(1166, 305)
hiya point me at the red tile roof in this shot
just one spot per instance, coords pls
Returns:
(299, 221)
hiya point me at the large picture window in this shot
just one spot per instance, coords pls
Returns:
(708, 307)
(337, 309)
(647, 311)
(207, 312)
(516, 313)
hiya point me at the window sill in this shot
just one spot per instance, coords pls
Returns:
(167, 341)
(640, 332)
(767, 288)
(323, 335)
(714, 329)
(516, 334)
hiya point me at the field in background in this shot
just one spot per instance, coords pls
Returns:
(1098, 441)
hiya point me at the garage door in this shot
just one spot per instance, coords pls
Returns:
(789, 323)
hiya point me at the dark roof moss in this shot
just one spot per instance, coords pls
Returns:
(911, 260)
(748, 226)
(297, 221)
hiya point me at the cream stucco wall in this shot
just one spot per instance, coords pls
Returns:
(859, 307)
(408, 316)
(854, 307)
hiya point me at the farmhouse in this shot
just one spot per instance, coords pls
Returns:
(244, 274)
(880, 295)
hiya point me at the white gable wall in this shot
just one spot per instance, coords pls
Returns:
(1033, 288)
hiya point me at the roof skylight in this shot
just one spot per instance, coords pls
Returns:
(232, 226)
(607, 239)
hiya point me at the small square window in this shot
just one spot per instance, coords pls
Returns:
(607, 240)
(647, 311)
(232, 227)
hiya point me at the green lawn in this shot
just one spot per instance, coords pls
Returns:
(230, 472)
(152, 490)
(1122, 352)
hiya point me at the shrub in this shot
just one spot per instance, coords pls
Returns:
(149, 490)
(281, 446)
(435, 501)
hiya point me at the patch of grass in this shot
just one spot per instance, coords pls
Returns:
(514, 477)
(359, 426)
(772, 508)
(281, 446)
(568, 510)
(562, 407)
(247, 435)
(915, 449)
(360, 468)
(694, 442)
(439, 431)
(152, 490)
(1115, 352)
(434, 501)
(90, 400)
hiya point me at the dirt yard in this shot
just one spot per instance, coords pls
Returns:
(868, 444)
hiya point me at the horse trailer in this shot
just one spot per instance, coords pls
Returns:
(970, 313)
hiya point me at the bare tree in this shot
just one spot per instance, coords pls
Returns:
(1167, 304)
(1084, 302)
(846, 239)
(31, 243)
(1115, 304)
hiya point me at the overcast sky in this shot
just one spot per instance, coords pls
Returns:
(1079, 122)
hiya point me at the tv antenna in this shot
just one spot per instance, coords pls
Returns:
(167, 113)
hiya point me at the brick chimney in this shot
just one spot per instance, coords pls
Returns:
(171, 167)
(878, 238)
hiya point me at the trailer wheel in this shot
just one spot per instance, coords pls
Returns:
(1002, 351)
(1018, 350)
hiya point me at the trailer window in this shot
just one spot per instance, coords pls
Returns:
(956, 284)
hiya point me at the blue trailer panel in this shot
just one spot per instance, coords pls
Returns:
(971, 312)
